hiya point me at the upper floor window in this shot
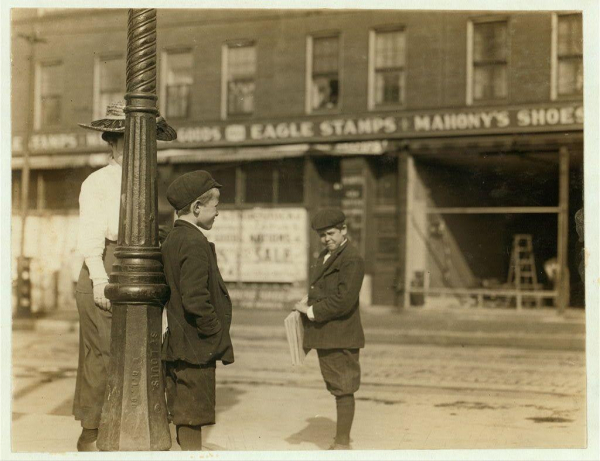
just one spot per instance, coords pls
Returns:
(110, 83)
(387, 75)
(324, 61)
(177, 82)
(568, 56)
(239, 61)
(489, 61)
(50, 95)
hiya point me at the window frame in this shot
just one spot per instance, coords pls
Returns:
(38, 116)
(164, 69)
(555, 59)
(470, 74)
(225, 47)
(309, 71)
(372, 68)
(99, 111)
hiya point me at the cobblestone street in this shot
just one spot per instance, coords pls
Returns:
(412, 397)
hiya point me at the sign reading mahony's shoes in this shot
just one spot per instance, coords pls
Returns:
(324, 128)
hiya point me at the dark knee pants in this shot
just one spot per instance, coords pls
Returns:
(340, 369)
(191, 393)
(94, 358)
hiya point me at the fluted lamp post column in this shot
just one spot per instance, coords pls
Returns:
(134, 416)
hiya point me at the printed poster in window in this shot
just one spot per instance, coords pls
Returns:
(226, 235)
(274, 243)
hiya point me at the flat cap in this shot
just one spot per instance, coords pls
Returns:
(188, 187)
(327, 217)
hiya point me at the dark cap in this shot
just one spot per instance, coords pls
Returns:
(188, 187)
(327, 217)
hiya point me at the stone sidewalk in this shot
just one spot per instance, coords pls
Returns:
(411, 397)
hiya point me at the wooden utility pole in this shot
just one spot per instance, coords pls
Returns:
(134, 416)
(562, 279)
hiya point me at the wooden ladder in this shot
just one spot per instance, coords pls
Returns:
(522, 273)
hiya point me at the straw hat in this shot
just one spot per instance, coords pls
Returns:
(114, 122)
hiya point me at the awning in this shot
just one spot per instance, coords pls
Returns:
(231, 154)
(54, 161)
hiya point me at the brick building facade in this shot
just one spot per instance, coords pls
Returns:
(443, 135)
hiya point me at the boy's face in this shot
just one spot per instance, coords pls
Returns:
(333, 237)
(206, 214)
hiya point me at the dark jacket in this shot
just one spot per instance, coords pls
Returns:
(334, 291)
(199, 308)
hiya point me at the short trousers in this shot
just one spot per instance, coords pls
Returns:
(190, 393)
(340, 369)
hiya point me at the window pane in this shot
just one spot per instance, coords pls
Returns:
(241, 72)
(52, 80)
(389, 87)
(240, 97)
(241, 62)
(325, 55)
(489, 42)
(51, 110)
(258, 182)
(291, 181)
(570, 35)
(389, 49)
(112, 75)
(490, 82)
(51, 94)
(570, 77)
(178, 101)
(178, 85)
(325, 92)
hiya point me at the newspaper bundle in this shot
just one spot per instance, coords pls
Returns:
(295, 335)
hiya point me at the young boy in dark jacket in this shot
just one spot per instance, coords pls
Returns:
(198, 310)
(332, 323)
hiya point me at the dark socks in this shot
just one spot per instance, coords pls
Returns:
(345, 416)
(88, 435)
(189, 438)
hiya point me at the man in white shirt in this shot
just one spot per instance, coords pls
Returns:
(99, 204)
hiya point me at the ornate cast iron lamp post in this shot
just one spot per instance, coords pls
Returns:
(134, 413)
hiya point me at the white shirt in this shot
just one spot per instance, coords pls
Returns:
(99, 217)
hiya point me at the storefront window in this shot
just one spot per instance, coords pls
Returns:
(178, 82)
(570, 55)
(16, 190)
(111, 83)
(50, 95)
(258, 181)
(490, 80)
(241, 74)
(290, 177)
(325, 73)
(279, 181)
(225, 175)
(389, 67)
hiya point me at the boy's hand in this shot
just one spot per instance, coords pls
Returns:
(302, 306)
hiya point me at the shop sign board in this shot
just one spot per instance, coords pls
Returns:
(330, 128)
(262, 245)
